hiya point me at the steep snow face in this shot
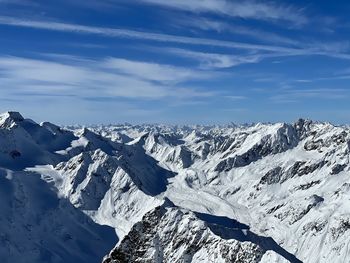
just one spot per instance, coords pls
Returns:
(86, 178)
(170, 234)
(232, 147)
(100, 185)
(24, 143)
(37, 226)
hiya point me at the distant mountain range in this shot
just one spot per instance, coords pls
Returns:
(157, 193)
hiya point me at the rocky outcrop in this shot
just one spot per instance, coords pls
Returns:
(170, 234)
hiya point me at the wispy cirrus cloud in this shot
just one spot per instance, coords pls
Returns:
(247, 9)
(111, 77)
(219, 26)
(16, 2)
(295, 94)
(208, 60)
(133, 34)
(235, 98)
(155, 72)
(333, 50)
(215, 60)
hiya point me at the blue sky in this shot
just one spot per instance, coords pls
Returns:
(175, 61)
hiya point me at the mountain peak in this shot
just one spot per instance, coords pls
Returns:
(8, 118)
(14, 115)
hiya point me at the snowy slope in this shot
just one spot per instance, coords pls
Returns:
(36, 226)
(254, 193)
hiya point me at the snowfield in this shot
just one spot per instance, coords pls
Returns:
(156, 193)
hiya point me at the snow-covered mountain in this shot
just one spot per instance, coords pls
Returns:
(156, 193)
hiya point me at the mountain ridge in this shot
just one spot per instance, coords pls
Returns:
(286, 182)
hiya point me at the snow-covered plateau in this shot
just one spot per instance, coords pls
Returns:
(157, 193)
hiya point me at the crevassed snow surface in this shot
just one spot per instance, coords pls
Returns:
(254, 193)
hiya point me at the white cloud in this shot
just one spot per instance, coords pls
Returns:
(215, 60)
(38, 70)
(234, 97)
(153, 71)
(219, 60)
(132, 34)
(294, 95)
(16, 2)
(220, 27)
(247, 9)
(76, 77)
(335, 50)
